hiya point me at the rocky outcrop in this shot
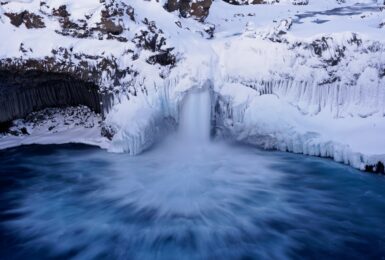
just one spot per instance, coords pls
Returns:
(111, 22)
(30, 20)
(199, 9)
(378, 168)
(24, 92)
(88, 68)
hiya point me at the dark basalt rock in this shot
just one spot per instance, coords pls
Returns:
(87, 68)
(29, 19)
(378, 168)
(163, 58)
(22, 92)
(111, 23)
(4, 126)
(198, 9)
(323, 45)
(153, 40)
(61, 11)
(210, 29)
(108, 131)
(109, 26)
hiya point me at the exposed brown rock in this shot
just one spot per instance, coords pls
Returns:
(109, 26)
(172, 5)
(198, 9)
(30, 20)
(61, 11)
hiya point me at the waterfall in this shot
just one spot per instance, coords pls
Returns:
(195, 117)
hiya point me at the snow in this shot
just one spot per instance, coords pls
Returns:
(75, 135)
(56, 126)
(288, 129)
(275, 88)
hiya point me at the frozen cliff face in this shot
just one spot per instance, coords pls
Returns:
(300, 89)
(301, 76)
(340, 75)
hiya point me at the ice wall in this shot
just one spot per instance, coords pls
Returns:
(271, 121)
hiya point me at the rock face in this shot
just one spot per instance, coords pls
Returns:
(110, 24)
(199, 9)
(24, 92)
(30, 20)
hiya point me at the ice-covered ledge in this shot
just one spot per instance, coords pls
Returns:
(271, 122)
(55, 126)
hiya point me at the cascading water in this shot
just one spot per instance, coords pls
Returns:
(195, 118)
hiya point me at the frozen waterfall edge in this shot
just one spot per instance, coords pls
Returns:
(264, 117)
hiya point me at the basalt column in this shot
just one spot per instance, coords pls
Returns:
(24, 92)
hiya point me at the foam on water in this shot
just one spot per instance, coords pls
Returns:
(223, 202)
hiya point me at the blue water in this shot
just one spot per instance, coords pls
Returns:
(220, 201)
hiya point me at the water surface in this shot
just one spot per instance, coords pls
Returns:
(217, 201)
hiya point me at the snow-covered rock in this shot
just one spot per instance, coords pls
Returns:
(55, 126)
(300, 76)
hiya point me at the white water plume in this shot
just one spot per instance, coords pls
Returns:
(195, 117)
